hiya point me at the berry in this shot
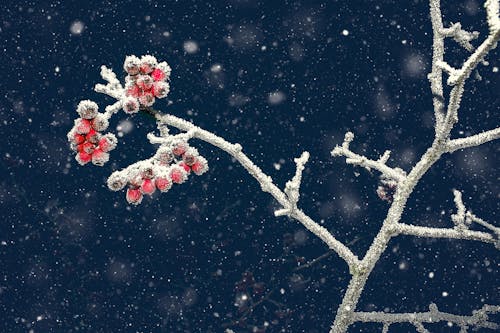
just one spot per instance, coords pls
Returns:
(147, 99)
(78, 138)
(148, 187)
(130, 104)
(134, 196)
(87, 109)
(87, 147)
(82, 126)
(144, 82)
(83, 158)
(158, 74)
(160, 89)
(200, 166)
(163, 184)
(148, 63)
(108, 142)
(178, 175)
(185, 167)
(180, 148)
(92, 136)
(100, 122)
(131, 65)
(99, 157)
(116, 181)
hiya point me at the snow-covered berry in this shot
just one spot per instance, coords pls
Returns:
(178, 174)
(134, 196)
(116, 181)
(99, 157)
(161, 89)
(145, 82)
(83, 158)
(82, 126)
(200, 166)
(108, 142)
(180, 148)
(163, 184)
(87, 109)
(147, 99)
(131, 65)
(148, 186)
(130, 104)
(100, 122)
(158, 75)
(148, 63)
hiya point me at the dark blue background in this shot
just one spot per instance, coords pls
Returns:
(74, 257)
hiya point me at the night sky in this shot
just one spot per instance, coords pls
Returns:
(278, 77)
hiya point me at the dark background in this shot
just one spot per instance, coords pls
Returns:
(74, 257)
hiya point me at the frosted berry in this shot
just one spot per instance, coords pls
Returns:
(148, 63)
(92, 136)
(87, 147)
(78, 138)
(180, 148)
(108, 142)
(116, 181)
(83, 158)
(161, 89)
(100, 122)
(130, 105)
(189, 156)
(87, 109)
(99, 157)
(82, 126)
(158, 74)
(164, 155)
(147, 99)
(145, 82)
(148, 187)
(134, 196)
(178, 174)
(200, 166)
(163, 184)
(131, 65)
(185, 167)
(132, 90)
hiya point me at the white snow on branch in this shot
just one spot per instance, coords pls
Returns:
(362, 161)
(473, 141)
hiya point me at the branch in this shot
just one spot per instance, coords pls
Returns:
(266, 183)
(473, 140)
(355, 159)
(419, 231)
(478, 319)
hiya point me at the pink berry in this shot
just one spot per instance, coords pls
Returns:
(147, 99)
(163, 184)
(99, 157)
(83, 158)
(134, 196)
(145, 82)
(189, 156)
(161, 89)
(178, 175)
(185, 167)
(108, 142)
(133, 90)
(180, 148)
(131, 65)
(100, 122)
(148, 187)
(82, 126)
(148, 63)
(158, 74)
(200, 166)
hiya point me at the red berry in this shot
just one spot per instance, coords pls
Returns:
(78, 138)
(133, 91)
(147, 99)
(145, 82)
(180, 148)
(108, 142)
(99, 157)
(200, 166)
(148, 187)
(134, 196)
(158, 74)
(83, 158)
(160, 89)
(82, 126)
(92, 136)
(163, 184)
(178, 175)
(185, 167)
(87, 147)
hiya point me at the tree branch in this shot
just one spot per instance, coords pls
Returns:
(355, 159)
(478, 319)
(473, 140)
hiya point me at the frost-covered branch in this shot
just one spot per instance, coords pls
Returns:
(429, 232)
(473, 140)
(355, 159)
(292, 187)
(478, 319)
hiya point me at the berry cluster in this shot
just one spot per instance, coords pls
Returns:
(85, 137)
(171, 164)
(146, 80)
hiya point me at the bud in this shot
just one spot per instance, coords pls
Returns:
(200, 166)
(82, 126)
(161, 89)
(148, 187)
(99, 157)
(87, 109)
(131, 65)
(100, 122)
(130, 105)
(134, 196)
